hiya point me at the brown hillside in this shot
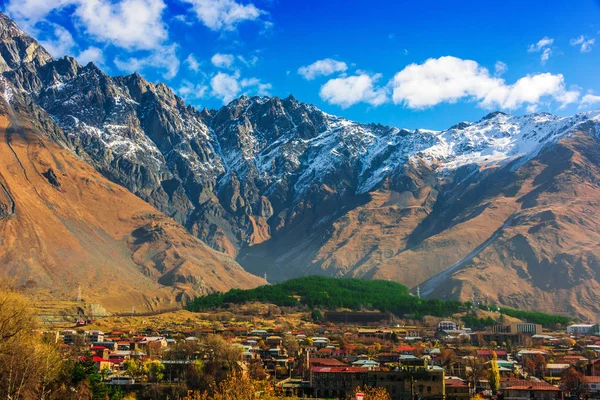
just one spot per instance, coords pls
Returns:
(63, 225)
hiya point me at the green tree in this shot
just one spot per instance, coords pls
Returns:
(316, 315)
(132, 368)
(154, 370)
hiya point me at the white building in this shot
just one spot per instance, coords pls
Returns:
(580, 329)
(447, 326)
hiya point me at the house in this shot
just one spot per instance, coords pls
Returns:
(447, 326)
(69, 336)
(274, 341)
(594, 368)
(101, 363)
(489, 354)
(593, 385)
(320, 342)
(326, 362)
(529, 390)
(457, 389)
(368, 364)
(95, 336)
(406, 350)
(159, 341)
(556, 370)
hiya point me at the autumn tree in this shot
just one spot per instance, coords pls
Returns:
(539, 362)
(28, 367)
(372, 393)
(494, 374)
(572, 381)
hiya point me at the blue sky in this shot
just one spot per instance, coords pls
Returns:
(409, 64)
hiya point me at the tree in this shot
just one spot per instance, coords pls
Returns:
(316, 315)
(132, 368)
(494, 374)
(572, 381)
(540, 365)
(447, 356)
(372, 393)
(154, 370)
(29, 368)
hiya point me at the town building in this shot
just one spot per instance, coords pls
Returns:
(527, 328)
(401, 384)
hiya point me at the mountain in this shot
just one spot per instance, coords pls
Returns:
(63, 225)
(289, 190)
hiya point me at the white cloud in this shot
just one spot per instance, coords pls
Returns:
(62, 44)
(500, 68)
(192, 63)
(323, 67)
(545, 55)
(131, 24)
(262, 89)
(248, 61)
(450, 79)
(543, 45)
(28, 12)
(224, 14)
(220, 60)
(351, 90)
(225, 86)
(589, 100)
(91, 54)
(163, 59)
(190, 91)
(585, 44)
(229, 86)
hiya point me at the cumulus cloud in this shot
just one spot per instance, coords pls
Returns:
(91, 54)
(323, 67)
(131, 24)
(262, 89)
(192, 63)
(450, 79)
(225, 87)
(191, 91)
(590, 100)
(224, 15)
(542, 43)
(62, 44)
(220, 60)
(29, 12)
(134, 25)
(351, 90)
(585, 45)
(228, 86)
(165, 60)
(543, 46)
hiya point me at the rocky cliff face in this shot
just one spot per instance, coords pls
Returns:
(290, 190)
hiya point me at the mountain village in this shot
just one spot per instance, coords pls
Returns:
(344, 351)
